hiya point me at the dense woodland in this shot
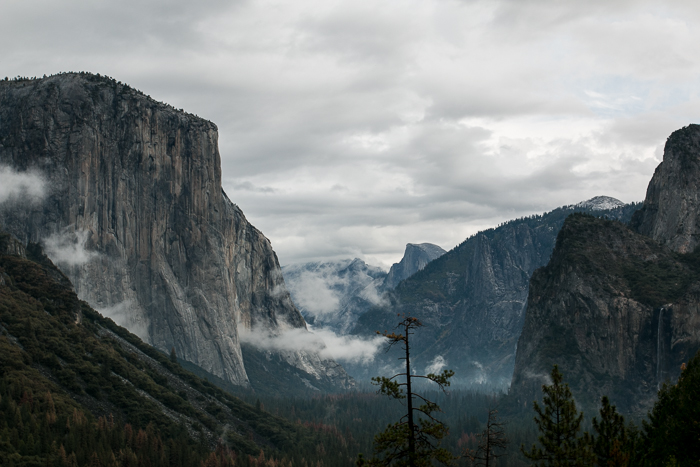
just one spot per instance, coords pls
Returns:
(77, 390)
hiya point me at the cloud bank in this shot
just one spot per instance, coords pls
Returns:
(20, 186)
(68, 248)
(350, 128)
(322, 341)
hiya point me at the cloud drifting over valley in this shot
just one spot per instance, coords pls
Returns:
(350, 128)
(323, 342)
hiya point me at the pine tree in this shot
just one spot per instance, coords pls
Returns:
(492, 442)
(559, 424)
(610, 443)
(414, 440)
(672, 433)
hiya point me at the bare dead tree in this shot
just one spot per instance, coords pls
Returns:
(492, 442)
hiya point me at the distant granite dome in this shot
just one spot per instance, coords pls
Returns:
(415, 258)
(600, 203)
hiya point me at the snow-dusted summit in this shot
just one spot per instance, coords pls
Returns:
(600, 203)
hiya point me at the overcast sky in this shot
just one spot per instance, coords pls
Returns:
(350, 128)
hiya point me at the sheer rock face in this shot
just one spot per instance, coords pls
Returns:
(136, 217)
(616, 311)
(415, 258)
(671, 211)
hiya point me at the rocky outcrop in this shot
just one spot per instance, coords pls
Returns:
(415, 258)
(671, 211)
(472, 299)
(615, 310)
(134, 214)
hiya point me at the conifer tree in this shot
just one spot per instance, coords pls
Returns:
(610, 442)
(492, 442)
(672, 433)
(559, 424)
(414, 440)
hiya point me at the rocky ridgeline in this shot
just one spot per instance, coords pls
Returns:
(135, 216)
(618, 307)
(472, 299)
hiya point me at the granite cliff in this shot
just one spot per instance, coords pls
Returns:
(134, 214)
(617, 309)
(415, 258)
(671, 211)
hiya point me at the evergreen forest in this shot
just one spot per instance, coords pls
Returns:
(78, 390)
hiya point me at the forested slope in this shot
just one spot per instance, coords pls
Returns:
(77, 389)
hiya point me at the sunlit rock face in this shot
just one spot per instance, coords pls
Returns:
(671, 211)
(135, 215)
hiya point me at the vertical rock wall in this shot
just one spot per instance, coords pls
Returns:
(136, 217)
(671, 211)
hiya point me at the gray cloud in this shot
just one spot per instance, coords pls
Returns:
(123, 314)
(348, 129)
(323, 342)
(21, 186)
(68, 248)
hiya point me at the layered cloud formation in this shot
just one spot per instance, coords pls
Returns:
(350, 128)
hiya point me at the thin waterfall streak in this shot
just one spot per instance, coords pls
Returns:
(659, 330)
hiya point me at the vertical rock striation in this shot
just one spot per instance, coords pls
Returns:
(619, 311)
(671, 211)
(415, 258)
(136, 217)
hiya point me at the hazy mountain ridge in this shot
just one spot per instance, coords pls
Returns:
(333, 294)
(134, 214)
(472, 299)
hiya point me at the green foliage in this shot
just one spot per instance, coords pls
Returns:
(415, 439)
(671, 436)
(559, 424)
(610, 443)
(52, 343)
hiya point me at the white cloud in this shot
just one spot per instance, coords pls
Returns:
(436, 365)
(69, 248)
(312, 292)
(123, 314)
(324, 342)
(21, 186)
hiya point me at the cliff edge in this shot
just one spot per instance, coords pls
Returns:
(134, 214)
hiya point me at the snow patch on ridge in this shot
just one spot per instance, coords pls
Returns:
(600, 203)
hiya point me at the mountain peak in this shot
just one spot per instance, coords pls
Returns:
(415, 258)
(600, 203)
